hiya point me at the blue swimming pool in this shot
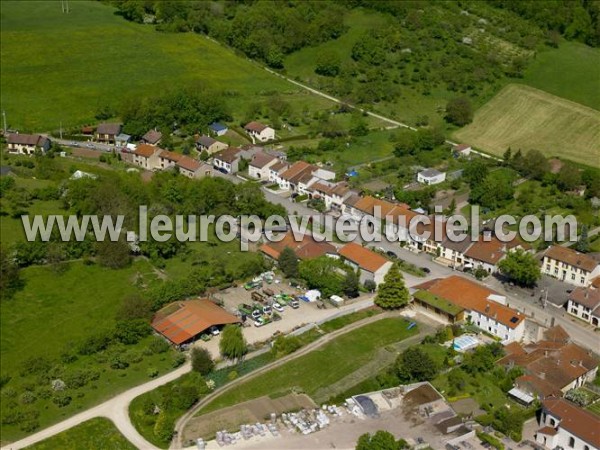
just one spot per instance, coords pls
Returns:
(463, 343)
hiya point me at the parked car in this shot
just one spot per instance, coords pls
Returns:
(256, 314)
(214, 331)
(277, 307)
(267, 309)
(426, 269)
(294, 303)
(259, 322)
(391, 254)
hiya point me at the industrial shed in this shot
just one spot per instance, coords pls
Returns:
(182, 322)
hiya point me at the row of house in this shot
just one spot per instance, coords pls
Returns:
(584, 303)
(369, 264)
(552, 366)
(150, 157)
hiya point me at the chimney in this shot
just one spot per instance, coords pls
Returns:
(487, 308)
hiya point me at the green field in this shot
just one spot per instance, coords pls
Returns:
(349, 351)
(572, 71)
(63, 67)
(525, 118)
(95, 434)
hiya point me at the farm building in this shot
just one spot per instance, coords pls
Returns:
(372, 265)
(182, 322)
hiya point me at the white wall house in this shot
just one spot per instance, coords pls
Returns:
(431, 176)
(27, 144)
(570, 266)
(146, 156)
(260, 164)
(584, 303)
(567, 426)
(259, 132)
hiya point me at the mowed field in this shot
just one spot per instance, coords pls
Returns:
(525, 118)
(64, 67)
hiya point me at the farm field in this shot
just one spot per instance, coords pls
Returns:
(91, 58)
(94, 434)
(350, 351)
(580, 83)
(525, 118)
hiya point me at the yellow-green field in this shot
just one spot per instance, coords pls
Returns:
(525, 118)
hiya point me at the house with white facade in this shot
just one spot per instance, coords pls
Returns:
(259, 132)
(570, 266)
(431, 176)
(462, 150)
(584, 303)
(260, 164)
(228, 160)
(146, 156)
(27, 144)
(191, 168)
(565, 425)
(373, 266)
(482, 307)
(488, 251)
(276, 170)
(218, 129)
(289, 179)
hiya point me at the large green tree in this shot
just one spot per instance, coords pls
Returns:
(416, 365)
(520, 267)
(288, 262)
(233, 345)
(380, 440)
(459, 111)
(201, 361)
(392, 293)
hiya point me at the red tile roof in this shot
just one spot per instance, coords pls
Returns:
(493, 251)
(261, 159)
(472, 296)
(181, 321)
(571, 257)
(257, 127)
(306, 248)
(297, 169)
(171, 156)
(26, 139)
(588, 297)
(363, 257)
(146, 150)
(577, 421)
(228, 155)
(188, 163)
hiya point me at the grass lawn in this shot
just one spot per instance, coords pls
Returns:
(11, 230)
(595, 408)
(94, 434)
(349, 351)
(571, 71)
(64, 67)
(595, 244)
(483, 389)
(527, 118)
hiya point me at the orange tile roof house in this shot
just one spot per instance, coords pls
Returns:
(488, 251)
(146, 156)
(484, 307)
(305, 248)
(27, 144)
(182, 322)
(566, 425)
(570, 266)
(552, 365)
(372, 265)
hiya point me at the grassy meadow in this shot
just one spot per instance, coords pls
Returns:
(64, 67)
(94, 434)
(527, 118)
(350, 351)
(572, 71)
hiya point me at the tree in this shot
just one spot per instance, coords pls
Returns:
(114, 255)
(416, 365)
(10, 279)
(288, 262)
(201, 361)
(392, 293)
(534, 164)
(521, 267)
(459, 111)
(328, 64)
(370, 285)
(322, 273)
(380, 440)
(233, 345)
(507, 156)
(583, 243)
(569, 177)
(475, 172)
(350, 285)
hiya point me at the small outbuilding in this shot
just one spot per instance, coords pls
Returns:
(431, 176)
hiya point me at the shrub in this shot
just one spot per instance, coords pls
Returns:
(152, 372)
(232, 375)
(178, 359)
(201, 361)
(61, 399)
(284, 345)
(28, 397)
(159, 345)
